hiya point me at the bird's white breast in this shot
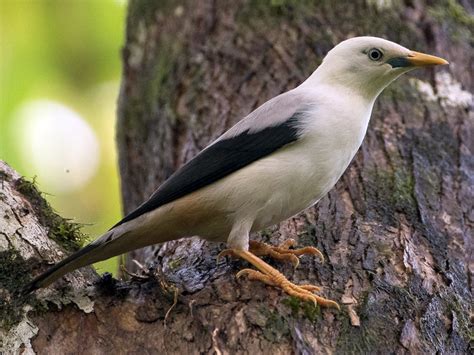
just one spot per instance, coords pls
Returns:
(298, 176)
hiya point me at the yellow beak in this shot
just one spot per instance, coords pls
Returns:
(418, 59)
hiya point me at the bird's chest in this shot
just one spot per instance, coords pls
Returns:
(313, 167)
(330, 144)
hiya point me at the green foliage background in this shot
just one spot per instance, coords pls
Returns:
(67, 51)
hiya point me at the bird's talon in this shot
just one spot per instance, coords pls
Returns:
(224, 253)
(327, 303)
(310, 250)
(244, 272)
(333, 304)
(287, 244)
(295, 261)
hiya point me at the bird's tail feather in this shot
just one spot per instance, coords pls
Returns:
(91, 253)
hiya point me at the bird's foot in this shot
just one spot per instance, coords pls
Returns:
(273, 277)
(283, 252)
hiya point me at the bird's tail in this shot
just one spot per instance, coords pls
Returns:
(90, 254)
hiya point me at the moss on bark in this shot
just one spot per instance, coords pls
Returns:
(67, 233)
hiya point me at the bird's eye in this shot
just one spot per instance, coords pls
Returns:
(375, 54)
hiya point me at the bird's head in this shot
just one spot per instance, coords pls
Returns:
(369, 64)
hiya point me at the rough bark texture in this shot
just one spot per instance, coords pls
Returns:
(31, 237)
(396, 230)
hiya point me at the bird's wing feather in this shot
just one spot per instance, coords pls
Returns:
(267, 129)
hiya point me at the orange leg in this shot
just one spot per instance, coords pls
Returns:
(283, 251)
(273, 277)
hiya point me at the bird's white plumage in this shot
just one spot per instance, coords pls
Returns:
(346, 67)
(337, 101)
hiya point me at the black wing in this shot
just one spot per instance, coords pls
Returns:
(219, 160)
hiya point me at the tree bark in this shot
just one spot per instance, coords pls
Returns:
(396, 231)
(397, 228)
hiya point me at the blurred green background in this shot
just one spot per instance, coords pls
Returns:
(59, 80)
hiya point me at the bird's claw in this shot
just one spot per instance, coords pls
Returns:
(224, 253)
(273, 277)
(283, 252)
(302, 292)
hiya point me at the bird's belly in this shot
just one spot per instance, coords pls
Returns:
(282, 205)
(293, 185)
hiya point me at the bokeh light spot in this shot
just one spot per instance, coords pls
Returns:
(58, 143)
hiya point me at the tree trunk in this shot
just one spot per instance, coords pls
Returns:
(396, 231)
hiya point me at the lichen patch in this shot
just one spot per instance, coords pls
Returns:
(450, 91)
(18, 338)
(447, 90)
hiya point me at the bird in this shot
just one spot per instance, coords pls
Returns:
(274, 163)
